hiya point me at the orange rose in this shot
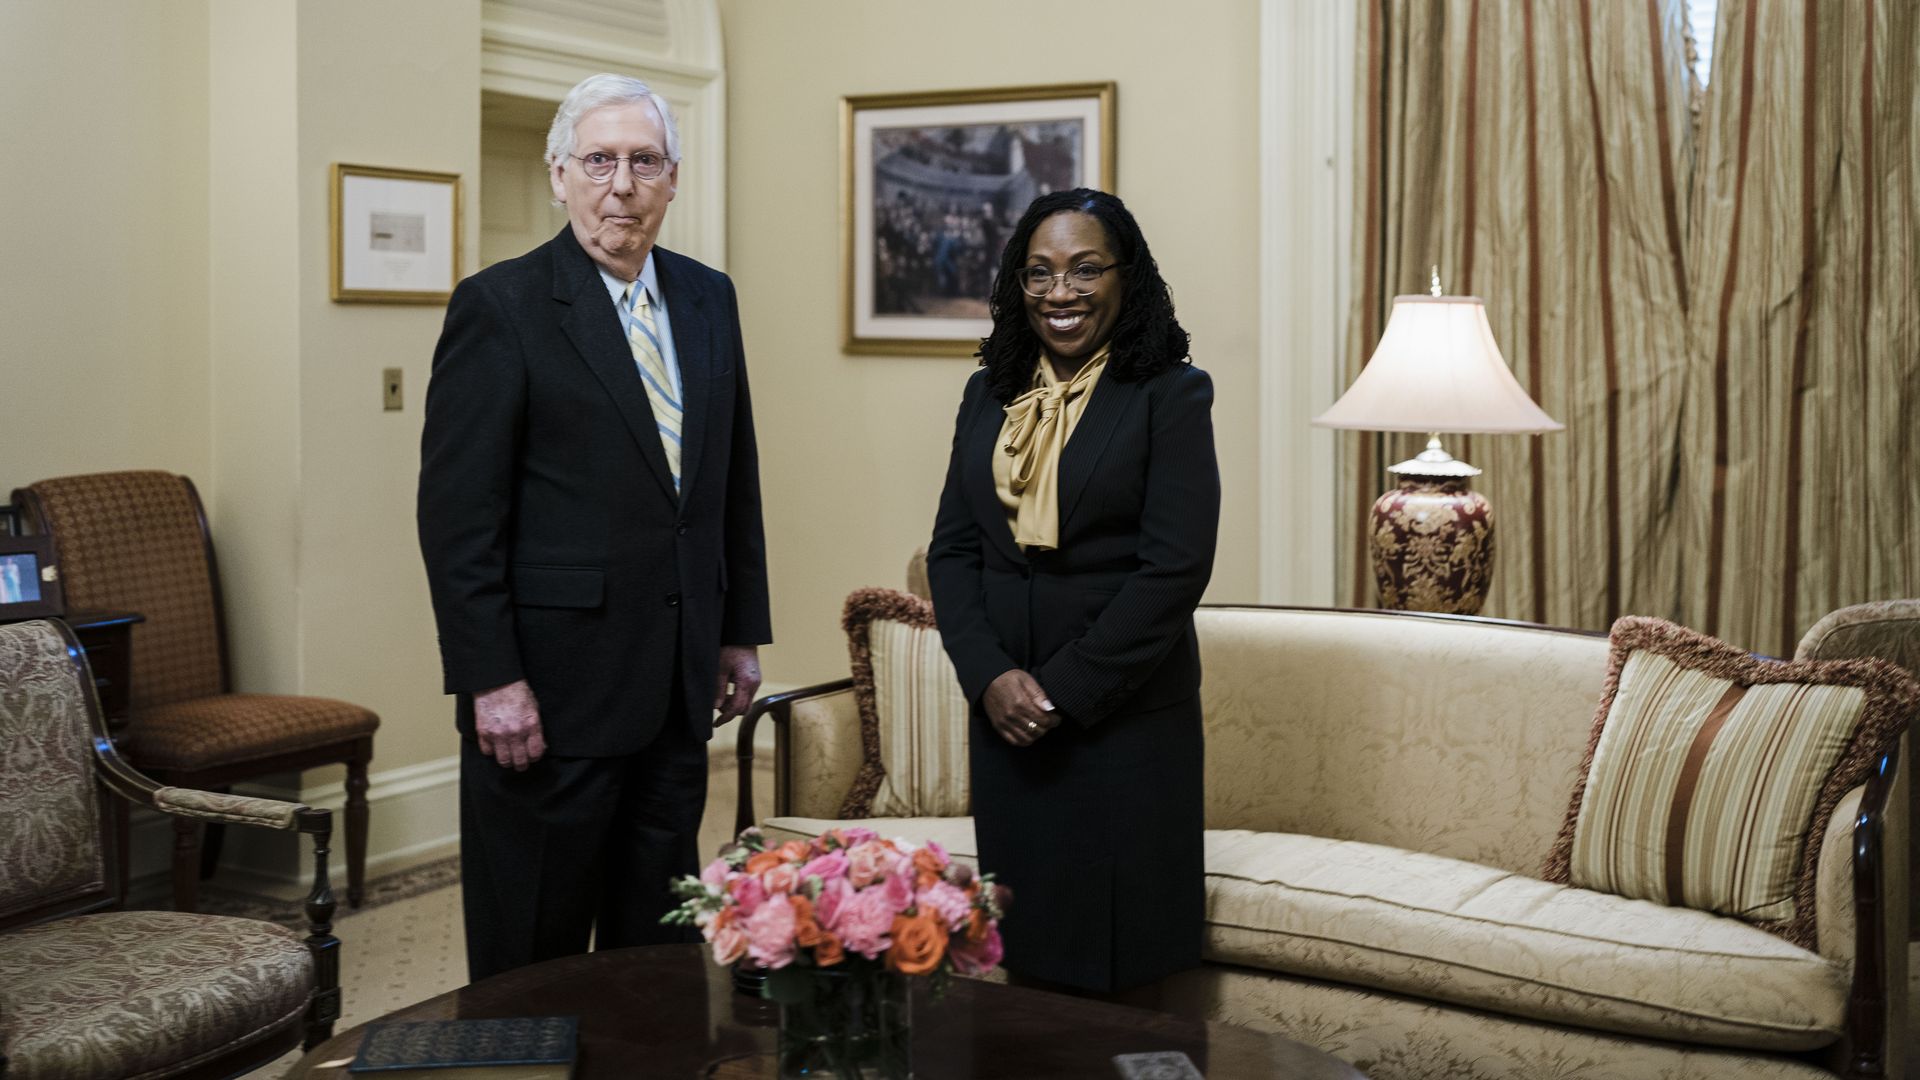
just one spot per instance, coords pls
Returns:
(919, 942)
(794, 851)
(928, 866)
(763, 861)
(977, 926)
(828, 952)
(724, 919)
(806, 929)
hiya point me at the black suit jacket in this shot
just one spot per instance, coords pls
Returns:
(556, 548)
(1106, 620)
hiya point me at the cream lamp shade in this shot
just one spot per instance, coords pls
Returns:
(1437, 369)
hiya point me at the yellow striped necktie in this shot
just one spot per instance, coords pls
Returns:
(643, 337)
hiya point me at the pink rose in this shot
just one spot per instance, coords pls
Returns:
(865, 921)
(899, 890)
(856, 836)
(729, 945)
(826, 867)
(748, 893)
(868, 863)
(975, 958)
(951, 905)
(831, 901)
(715, 875)
(770, 934)
(781, 879)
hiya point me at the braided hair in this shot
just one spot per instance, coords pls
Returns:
(1147, 339)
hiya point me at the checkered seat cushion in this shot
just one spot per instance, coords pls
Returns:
(203, 732)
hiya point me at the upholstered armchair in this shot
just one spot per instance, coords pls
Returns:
(1890, 630)
(87, 992)
(138, 541)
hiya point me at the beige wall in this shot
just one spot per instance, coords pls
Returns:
(395, 85)
(103, 292)
(174, 312)
(853, 448)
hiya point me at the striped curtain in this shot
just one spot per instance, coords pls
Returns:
(1714, 290)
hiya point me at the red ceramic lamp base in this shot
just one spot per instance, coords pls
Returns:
(1432, 545)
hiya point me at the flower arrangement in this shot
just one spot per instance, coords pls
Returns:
(844, 895)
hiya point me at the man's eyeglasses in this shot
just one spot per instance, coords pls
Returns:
(1082, 279)
(600, 167)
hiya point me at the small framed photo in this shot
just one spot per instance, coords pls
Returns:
(29, 579)
(933, 185)
(396, 235)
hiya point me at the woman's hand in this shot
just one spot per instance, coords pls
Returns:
(1018, 708)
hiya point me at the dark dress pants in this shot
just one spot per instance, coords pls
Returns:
(577, 847)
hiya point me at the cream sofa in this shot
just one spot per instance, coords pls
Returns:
(1382, 792)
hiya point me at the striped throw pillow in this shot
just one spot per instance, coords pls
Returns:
(913, 714)
(1711, 772)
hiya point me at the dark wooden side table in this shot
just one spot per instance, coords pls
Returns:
(107, 638)
(670, 1011)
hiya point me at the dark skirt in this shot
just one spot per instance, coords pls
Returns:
(1098, 833)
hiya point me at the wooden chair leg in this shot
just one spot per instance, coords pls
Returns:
(211, 841)
(356, 832)
(186, 864)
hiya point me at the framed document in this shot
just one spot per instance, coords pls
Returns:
(396, 235)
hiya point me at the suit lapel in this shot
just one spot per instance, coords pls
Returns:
(593, 326)
(692, 329)
(981, 445)
(1089, 440)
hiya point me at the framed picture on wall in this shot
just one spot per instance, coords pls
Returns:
(396, 235)
(933, 184)
(29, 579)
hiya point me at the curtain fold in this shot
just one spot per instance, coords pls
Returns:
(1716, 295)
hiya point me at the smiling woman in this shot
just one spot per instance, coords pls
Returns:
(1074, 539)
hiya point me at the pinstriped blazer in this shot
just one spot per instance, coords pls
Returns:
(1105, 622)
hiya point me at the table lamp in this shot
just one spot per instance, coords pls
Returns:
(1436, 369)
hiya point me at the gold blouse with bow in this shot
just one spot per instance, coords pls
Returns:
(1026, 468)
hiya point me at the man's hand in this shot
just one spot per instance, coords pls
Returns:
(740, 669)
(506, 720)
(1018, 708)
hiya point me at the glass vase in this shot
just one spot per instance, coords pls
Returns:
(843, 1023)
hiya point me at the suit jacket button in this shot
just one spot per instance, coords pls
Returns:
(681, 528)
(673, 599)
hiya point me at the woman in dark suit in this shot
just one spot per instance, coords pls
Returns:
(1074, 538)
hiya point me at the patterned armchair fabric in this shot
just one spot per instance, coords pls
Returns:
(49, 816)
(143, 993)
(96, 994)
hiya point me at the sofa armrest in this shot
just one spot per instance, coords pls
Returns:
(1862, 876)
(796, 715)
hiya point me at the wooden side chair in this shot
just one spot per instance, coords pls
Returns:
(87, 992)
(138, 541)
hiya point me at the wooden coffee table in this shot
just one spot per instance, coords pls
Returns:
(669, 1011)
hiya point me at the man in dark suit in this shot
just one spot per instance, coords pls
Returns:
(589, 513)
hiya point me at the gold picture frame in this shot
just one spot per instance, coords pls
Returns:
(395, 235)
(931, 185)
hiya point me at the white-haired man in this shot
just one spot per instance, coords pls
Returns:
(589, 513)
